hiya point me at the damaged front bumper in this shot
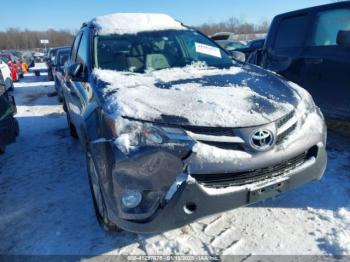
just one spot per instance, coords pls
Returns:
(193, 201)
(185, 200)
(175, 191)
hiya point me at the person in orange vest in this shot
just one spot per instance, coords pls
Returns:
(24, 68)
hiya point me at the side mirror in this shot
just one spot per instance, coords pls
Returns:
(239, 56)
(343, 38)
(75, 72)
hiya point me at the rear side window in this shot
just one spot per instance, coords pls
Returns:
(291, 32)
(328, 24)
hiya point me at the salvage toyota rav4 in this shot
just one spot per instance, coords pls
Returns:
(175, 130)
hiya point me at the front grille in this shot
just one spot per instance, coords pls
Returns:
(210, 131)
(282, 121)
(285, 134)
(244, 178)
(224, 145)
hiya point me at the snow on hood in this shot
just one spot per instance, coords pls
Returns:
(132, 23)
(200, 96)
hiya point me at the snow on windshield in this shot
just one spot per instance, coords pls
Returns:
(132, 23)
(171, 92)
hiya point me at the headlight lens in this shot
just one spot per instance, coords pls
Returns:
(131, 134)
(306, 106)
(151, 136)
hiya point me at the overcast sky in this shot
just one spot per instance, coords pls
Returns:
(70, 14)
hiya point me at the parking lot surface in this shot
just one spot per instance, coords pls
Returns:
(46, 207)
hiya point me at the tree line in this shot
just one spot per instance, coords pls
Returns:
(15, 38)
(234, 25)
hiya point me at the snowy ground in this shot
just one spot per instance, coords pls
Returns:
(46, 208)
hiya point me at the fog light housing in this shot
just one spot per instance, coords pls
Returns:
(131, 198)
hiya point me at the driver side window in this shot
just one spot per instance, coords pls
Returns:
(82, 54)
(75, 47)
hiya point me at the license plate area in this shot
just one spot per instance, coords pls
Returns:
(267, 191)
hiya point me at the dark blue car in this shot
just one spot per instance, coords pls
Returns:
(61, 58)
(311, 47)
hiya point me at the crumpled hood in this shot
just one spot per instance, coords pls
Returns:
(199, 96)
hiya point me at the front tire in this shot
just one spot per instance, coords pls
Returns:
(72, 130)
(97, 197)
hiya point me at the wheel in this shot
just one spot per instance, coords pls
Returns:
(97, 197)
(50, 76)
(16, 125)
(72, 130)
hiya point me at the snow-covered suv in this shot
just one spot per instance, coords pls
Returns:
(175, 130)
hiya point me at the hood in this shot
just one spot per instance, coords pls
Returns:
(199, 96)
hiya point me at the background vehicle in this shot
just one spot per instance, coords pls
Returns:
(14, 63)
(312, 48)
(39, 56)
(251, 47)
(51, 56)
(6, 74)
(231, 45)
(223, 36)
(28, 58)
(9, 128)
(62, 57)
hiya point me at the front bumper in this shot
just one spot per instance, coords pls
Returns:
(156, 170)
(193, 201)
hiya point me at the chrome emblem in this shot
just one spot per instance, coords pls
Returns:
(262, 140)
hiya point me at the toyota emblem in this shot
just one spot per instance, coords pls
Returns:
(262, 140)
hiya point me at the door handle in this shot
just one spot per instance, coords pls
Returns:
(314, 61)
(72, 91)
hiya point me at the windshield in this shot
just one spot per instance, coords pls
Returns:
(157, 50)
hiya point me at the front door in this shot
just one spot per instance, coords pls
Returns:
(326, 65)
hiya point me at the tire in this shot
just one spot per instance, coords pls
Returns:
(72, 130)
(97, 198)
(50, 76)
(16, 125)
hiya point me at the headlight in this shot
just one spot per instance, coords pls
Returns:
(132, 134)
(306, 106)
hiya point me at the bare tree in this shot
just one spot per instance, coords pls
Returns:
(14, 38)
(235, 25)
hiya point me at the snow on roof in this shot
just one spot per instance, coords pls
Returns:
(132, 23)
